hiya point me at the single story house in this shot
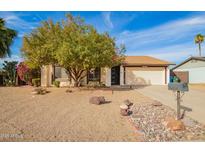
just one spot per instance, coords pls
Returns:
(134, 70)
(192, 70)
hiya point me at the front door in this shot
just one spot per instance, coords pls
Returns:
(115, 75)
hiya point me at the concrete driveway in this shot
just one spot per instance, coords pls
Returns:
(194, 99)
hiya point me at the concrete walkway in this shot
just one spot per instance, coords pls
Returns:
(194, 99)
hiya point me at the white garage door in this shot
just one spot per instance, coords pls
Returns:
(196, 75)
(145, 76)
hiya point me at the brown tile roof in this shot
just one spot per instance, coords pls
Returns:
(144, 61)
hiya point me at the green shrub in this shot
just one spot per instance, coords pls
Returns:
(56, 83)
(102, 84)
(36, 82)
(8, 83)
(93, 84)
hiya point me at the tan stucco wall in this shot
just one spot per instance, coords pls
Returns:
(144, 75)
(121, 75)
(133, 76)
(108, 77)
(46, 75)
(103, 75)
(43, 76)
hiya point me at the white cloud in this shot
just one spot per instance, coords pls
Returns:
(16, 21)
(12, 58)
(107, 19)
(173, 53)
(161, 41)
(172, 31)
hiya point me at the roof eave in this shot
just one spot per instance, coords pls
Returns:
(190, 58)
(128, 64)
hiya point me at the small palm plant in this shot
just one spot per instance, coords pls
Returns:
(198, 40)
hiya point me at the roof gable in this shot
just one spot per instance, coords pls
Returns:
(189, 59)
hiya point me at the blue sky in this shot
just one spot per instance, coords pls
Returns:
(165, 35)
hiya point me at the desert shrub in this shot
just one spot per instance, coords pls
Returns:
(96, 84)
(56, 83)
(26, 74)
(102, 84)
(8, 82)
(39, 91)
(93, 84)
(36, 82)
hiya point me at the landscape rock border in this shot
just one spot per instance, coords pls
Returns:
(151, 123)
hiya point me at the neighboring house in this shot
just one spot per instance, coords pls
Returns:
(135, 70)
(192, 70)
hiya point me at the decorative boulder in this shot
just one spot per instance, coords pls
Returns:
(102, 99)
(174, 125)
(156, 103)
(97, 100)
(127, 102)
(39, 91)
(34, 92)
(124, 110)
(68, 91)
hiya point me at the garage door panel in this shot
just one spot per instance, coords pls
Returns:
(136, 76)
(197, 75)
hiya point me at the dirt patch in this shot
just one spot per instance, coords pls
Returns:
(62, 116)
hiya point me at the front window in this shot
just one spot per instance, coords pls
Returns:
(60, 74)
(57, 72)
(94, 74)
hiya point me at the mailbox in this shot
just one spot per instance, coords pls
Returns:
(178, 87)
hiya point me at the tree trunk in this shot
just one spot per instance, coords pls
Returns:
(76, 75)
(76, 84)
(199, 49)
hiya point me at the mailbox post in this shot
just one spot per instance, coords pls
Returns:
(178, 88)
(178, 105)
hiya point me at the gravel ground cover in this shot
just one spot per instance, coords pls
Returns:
(150, 123)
